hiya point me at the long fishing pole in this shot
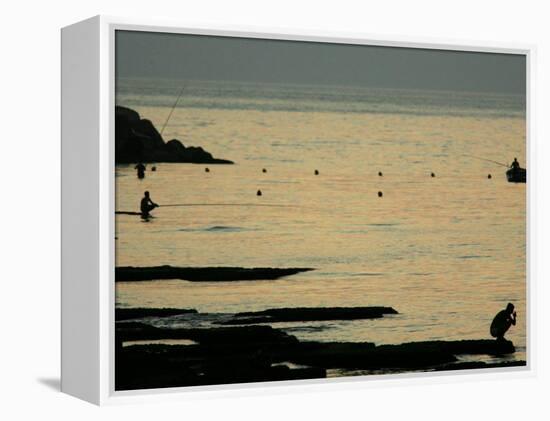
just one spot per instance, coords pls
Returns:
(229, 204)
(172, 110)
(488, 160)
(211, 204)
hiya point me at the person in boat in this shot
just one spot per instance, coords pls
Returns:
(502, 322)
(515, 164)
(140, 170)
(147, 205)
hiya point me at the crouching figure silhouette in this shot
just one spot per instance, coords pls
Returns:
(502, 322)
(147, 205)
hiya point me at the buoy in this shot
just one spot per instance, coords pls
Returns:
(380, 173)
(380, 194)
(433, 175)
(489, 176)
(153, 168)
(264, 170)
(259, 193)
(207, 169)
(316, 172)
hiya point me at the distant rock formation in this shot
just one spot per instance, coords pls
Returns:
(137, 140)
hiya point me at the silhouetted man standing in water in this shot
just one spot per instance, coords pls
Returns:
(147, 205)
(140, 170)
(502, 322)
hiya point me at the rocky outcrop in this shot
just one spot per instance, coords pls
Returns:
(202, 274)
(137, 140)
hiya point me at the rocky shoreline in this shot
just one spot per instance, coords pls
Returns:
(257, 353)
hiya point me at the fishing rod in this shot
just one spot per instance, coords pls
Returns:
(488, 160)
(228, 204)
(172, 110)
(210, 204)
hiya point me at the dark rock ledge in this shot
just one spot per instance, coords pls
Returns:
(308, 314)
(202, 274)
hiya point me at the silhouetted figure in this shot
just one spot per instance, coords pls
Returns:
(489, 176)
(207, 169)
(380, 194)
(432, 174)
(380, 174)
(316, 172)
(259, 193)
(264, 170)
(147, 205)
(502, 322)
(516, 174)
(140, 170)
(153, 168)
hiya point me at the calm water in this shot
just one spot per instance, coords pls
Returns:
(446, 252)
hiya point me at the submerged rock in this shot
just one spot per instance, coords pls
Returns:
(136, 313)
(204, 274)
(305, 314)
(469, 365)
(137, 140)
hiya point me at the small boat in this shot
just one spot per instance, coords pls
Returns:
(516, 175)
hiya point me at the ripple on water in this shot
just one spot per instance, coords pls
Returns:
(473, 256)
(216, 228)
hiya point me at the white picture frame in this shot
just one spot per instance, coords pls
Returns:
(88, 191)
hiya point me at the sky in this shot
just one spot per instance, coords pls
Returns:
(177, 56)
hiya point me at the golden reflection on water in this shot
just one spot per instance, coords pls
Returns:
(447, 252)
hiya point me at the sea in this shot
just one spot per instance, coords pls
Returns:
(446, 251)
